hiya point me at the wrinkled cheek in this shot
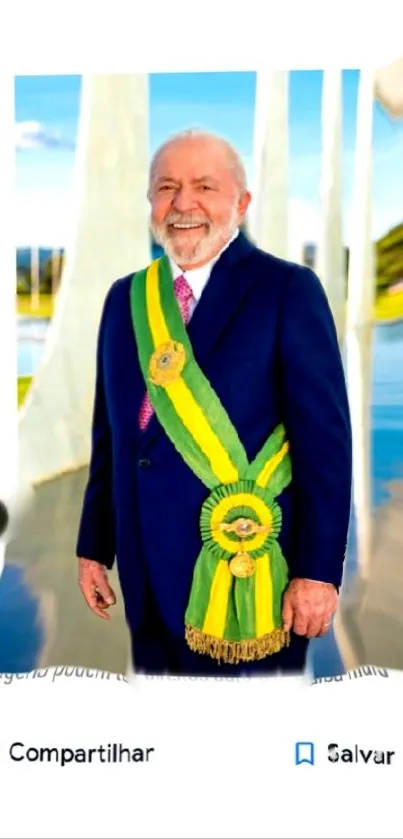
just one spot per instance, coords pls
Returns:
(159, 211)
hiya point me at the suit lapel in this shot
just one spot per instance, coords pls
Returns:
(219, 301)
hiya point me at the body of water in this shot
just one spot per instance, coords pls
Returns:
(387, 409)
(31, 335)
(20, 636)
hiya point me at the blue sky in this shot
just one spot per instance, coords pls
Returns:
(47, 109)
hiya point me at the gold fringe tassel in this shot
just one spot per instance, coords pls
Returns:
(234, 652)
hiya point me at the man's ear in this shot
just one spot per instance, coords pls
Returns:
(243, 204)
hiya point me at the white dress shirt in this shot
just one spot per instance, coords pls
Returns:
(198, 277)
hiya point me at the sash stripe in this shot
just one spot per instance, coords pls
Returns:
(279, 575)
(216, 614)
(203, 394)
(263, 478)
(187, 408)
(203, 576)
(232, 628)
(245, 606)
(164, 409)
(194, 420)
(156, 318)
(263, 597)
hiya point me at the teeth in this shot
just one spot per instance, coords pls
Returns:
(186, 226)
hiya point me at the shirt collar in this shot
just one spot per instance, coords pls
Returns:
(198, 277)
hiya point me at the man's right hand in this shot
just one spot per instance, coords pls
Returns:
(93, 582)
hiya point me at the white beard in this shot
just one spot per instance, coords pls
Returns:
(192, 254)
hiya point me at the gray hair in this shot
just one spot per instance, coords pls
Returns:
(233, 156)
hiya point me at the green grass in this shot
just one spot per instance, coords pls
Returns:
(389, 307)
(24, 383)
(44, 310)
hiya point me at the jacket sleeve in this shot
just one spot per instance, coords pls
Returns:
(317, 419)
(96, 535)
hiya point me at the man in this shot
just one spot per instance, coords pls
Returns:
(221, 452)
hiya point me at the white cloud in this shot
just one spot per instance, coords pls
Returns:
(35, 135)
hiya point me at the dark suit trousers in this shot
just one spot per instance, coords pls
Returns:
(156, 652)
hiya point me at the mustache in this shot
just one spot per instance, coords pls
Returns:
(180, 218)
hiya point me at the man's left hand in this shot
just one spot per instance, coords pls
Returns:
(308, 607)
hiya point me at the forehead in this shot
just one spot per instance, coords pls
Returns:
(194, 159)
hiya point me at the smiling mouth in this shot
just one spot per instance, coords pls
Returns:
(198, 226)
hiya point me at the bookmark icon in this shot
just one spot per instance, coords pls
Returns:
(304, 753)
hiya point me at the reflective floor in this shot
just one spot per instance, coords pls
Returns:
(47, 622)
(60, 629)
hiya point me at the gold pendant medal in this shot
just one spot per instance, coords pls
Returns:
(242, 566)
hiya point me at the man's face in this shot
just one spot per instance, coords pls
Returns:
(196, 203)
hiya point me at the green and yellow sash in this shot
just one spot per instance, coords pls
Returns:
(234, 609)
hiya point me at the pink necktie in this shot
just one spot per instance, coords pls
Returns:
(184, 296)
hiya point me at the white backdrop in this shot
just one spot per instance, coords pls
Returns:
(223, 762)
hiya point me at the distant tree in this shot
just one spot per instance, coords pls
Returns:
(389, 259)
(47, 275)
(23, 281)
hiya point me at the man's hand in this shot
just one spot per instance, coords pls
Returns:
(93, 582)
(308, 607)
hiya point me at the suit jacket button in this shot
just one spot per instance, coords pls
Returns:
(144, 463)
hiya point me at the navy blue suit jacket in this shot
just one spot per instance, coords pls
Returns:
(264, 336)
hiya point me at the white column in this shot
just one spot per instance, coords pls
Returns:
(361, 283)
(269, 227)
(330, 263)
(389, 88)
(359, 383)
(360, 303)
(8, 284)
(109, 238)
